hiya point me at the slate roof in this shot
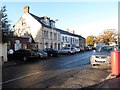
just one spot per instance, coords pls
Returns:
(59, 30)
(39, 19)
(68, 33)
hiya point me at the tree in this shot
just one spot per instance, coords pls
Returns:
(91, 40)
(5, 25)
(107, 36)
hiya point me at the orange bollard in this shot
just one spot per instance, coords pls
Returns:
(115, 63)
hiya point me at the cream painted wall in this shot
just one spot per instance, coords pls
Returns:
(49, 40)
(34, 27)
(0, 54)
(3, 52)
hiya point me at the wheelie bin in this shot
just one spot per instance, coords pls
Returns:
(115, 63)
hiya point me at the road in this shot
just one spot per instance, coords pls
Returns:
(44, 73)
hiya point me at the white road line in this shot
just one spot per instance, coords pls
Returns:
(19, 78)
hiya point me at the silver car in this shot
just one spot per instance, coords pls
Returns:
(100, 57)
(67, 51)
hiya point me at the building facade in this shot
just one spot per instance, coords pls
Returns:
(70, 39)
(40, 30)
(43, 34)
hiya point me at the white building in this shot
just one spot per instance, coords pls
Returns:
(41, 30)
(43, 33)
(69, 39)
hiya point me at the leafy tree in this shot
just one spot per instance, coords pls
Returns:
(107, 36)
(5, 25)
(91, 40)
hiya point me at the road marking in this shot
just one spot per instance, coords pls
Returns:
(20, 78)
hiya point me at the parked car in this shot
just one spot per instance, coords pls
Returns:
(77, 49)
(25, 54)
(41, 53)
(67, 51)
(89, 48)
(51, 52)
(82, 48)
(100, 56)
(86, 48)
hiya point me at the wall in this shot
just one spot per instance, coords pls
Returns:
(3, 52)
(50, 40)
(76, 43)
(32, 26)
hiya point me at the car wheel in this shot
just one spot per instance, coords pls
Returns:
(24, 58)
(93, 64)
(69, 53)
(51, 54)
(39, 56)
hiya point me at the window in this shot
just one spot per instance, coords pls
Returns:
(73, 40)
(55, 47)
(50, 35)
(63, 38)
(55, 36)
(58, 38)
(52, 24)
(51, 46)
(46, 34)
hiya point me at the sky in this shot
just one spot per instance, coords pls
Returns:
(85, 18)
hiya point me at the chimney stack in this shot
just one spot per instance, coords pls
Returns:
(26, 9)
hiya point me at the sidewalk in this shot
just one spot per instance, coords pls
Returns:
(8, 64)
(111, 83)
(85, 77)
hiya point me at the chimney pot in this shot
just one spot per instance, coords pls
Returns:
(26, 9)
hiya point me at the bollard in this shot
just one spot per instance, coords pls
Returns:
(115, 63)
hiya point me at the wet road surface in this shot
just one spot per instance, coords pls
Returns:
(44, 73)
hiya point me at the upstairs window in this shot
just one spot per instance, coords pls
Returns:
(52, 24)
(63, 38)
(50, 35)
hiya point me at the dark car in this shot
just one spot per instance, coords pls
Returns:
(42, 54)
(25, 54)
(51, 52)
(86, 48)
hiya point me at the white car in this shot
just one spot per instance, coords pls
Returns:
(67, 51)
(90, 48)
(77, 49)
(100, 57)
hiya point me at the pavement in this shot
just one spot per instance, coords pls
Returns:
(110, 81)
(8, 64)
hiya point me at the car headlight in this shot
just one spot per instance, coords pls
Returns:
(92, 57)
(108, 57)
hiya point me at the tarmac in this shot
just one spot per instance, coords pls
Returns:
(110, 82)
